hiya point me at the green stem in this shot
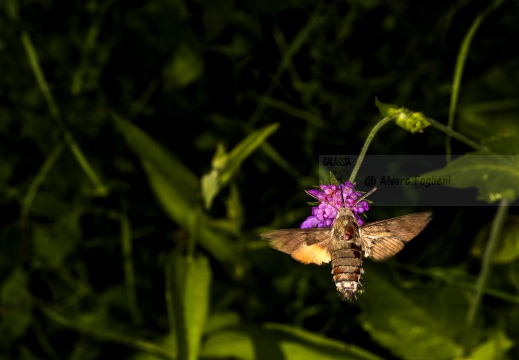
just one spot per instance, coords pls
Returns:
(460, 64)
(495, 232)
(364, 149)
(460, 137)
(129, 272)
(38, 180)
(451, 279)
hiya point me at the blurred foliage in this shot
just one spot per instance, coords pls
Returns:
(146, 144)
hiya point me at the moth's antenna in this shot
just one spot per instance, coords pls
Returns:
(365, 195)
(321, 200)
(342, 195)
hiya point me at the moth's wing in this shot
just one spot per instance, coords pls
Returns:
(305, 245)
(383, 239)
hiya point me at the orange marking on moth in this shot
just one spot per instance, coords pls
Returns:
(312, 254)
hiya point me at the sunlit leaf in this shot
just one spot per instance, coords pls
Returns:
(494, 348)
(495, 176)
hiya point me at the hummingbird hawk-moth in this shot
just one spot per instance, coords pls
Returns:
(345, 243)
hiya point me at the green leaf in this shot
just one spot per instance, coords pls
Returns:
(505, 144)
(176, 189)
(278, 341)
(483, 117)
(494, 348)
(16, 303)
(221, 320)
(184, 182)
(409, 120)
(55, 243)
(386, 109)
(99, 325)
(408, 329)
(508, 247)
(226, 166)
(185, 67)
(235, 344)
(333, 179)
(327, 348)
(495, 176)
(211, 182)
(190, 295)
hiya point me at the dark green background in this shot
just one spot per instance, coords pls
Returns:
(112, 111)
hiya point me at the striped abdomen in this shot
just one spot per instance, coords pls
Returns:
(347, 269)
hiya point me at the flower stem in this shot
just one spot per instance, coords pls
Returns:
(495, 232)
(460, 137)
(364, 149)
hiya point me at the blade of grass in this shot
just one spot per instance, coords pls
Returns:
(90, 41)
(32, 56)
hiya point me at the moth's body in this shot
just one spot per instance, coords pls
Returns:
(345, 242)
(346, 254)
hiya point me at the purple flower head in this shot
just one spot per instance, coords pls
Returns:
(330, 200)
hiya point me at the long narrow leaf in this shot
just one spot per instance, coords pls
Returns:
(190, 295)
(176, 189)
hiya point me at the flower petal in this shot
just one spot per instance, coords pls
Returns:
(309, 223)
